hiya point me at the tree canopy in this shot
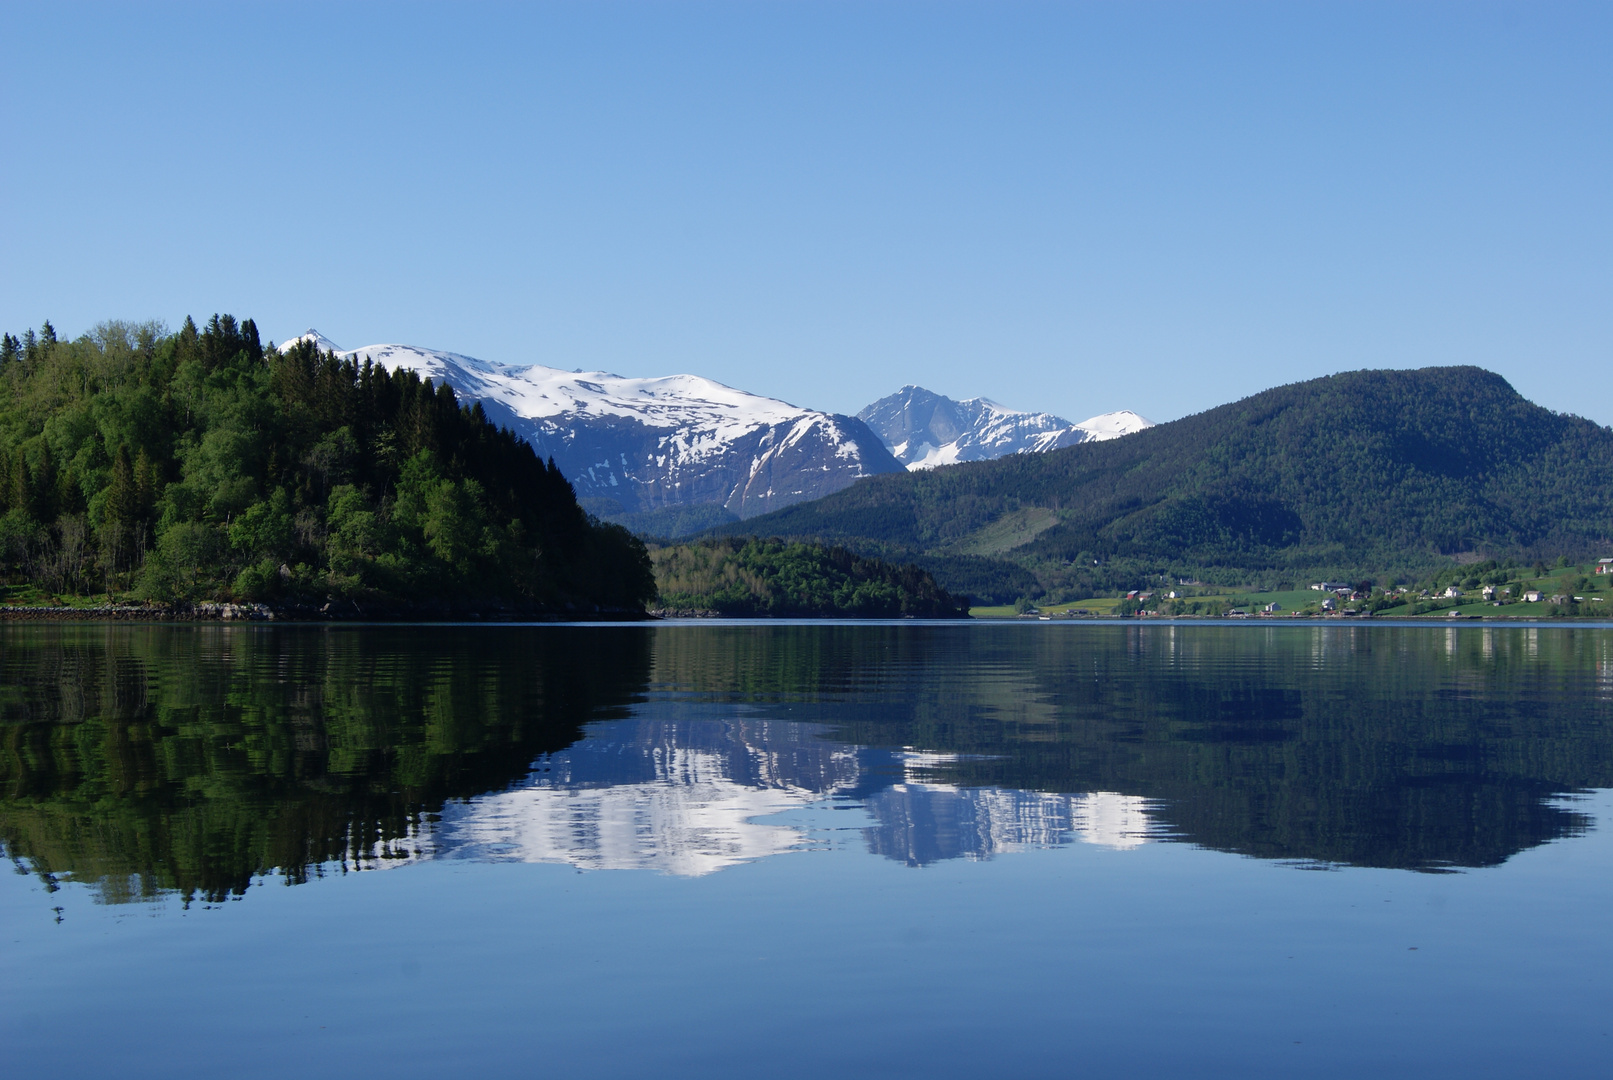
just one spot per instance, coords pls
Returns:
(755, 577)
(202, 465)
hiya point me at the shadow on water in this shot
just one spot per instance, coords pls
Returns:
(147, 760)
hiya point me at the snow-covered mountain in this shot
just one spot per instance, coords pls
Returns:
(631, 446)
(923, 429)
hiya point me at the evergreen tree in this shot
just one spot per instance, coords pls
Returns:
(22, 485)
(254, 474)
(122, 504)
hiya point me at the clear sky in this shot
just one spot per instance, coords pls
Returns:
(1070, 207)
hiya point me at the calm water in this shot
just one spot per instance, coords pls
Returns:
(807, 850)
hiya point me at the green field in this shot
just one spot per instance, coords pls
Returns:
(1597, 591)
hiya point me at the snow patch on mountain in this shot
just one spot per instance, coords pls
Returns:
(924, 430)
(646, 444)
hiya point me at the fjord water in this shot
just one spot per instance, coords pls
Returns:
(806, 850)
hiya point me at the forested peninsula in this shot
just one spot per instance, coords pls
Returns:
(202, 466)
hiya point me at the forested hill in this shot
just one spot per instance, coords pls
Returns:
(200, 465)
(1368, 470)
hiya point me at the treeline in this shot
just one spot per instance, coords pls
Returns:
(755, 577)
(203, 465)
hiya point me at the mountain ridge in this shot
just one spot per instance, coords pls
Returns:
(925, 430)
(633, 446)
(1372, 470)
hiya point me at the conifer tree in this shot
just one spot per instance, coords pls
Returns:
(22, 485)
(122, 504)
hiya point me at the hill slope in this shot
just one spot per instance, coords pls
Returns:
(1368, 470)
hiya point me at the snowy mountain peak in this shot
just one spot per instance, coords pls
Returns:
(1112, 425)
(320, 341)
(632, 446)
(924, 429)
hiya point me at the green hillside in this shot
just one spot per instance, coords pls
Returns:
(201, 465)
(1367, 472)
(772, 577)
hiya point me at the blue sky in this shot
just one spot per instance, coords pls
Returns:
(1074, 207)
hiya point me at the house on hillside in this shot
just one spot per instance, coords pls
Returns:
(1451, 592)
(1532, 596)
(1604, 566)
(1488, 592)
(1332, 586)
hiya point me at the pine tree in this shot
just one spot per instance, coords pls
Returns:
(146, 483)
(123, 494)
(44, 486)
(22, 485)
(187, 343)
(10, 349)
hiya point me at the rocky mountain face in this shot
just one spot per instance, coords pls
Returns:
(923, 429)
(657, 452)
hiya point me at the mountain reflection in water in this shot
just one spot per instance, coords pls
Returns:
(197, 759)
(683, 797)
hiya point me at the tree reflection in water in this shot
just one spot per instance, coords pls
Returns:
(197, 759)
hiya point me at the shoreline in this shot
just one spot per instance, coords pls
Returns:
(299, 613)
(348, 613)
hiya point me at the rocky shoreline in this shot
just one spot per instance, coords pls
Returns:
(333, 611)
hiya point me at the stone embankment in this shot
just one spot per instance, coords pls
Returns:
(140, 612)
(345, 611)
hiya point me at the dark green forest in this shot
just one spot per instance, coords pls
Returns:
(1367, 473)
(202, 465)
(755, 577)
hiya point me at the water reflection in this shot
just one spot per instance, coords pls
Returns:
(146, 760)
(691, 797)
